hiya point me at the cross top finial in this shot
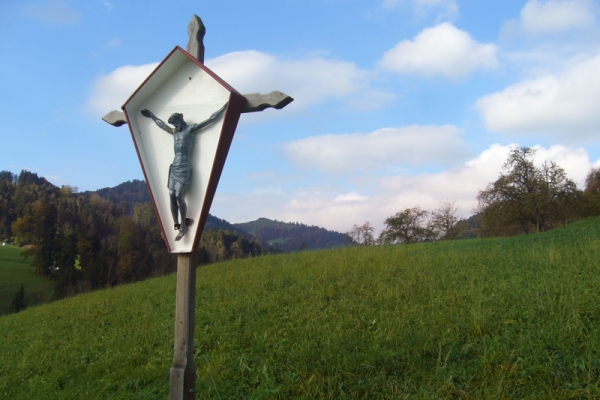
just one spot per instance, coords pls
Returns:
(196, 31)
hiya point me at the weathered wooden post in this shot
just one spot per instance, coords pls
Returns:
(182, 83)
(182, 381)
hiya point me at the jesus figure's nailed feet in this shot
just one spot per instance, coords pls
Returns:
(182, 232)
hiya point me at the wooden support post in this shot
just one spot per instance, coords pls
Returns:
(183, 370)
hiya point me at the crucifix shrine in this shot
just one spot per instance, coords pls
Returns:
(201, 112)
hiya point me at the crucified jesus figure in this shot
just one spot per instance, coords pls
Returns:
(180, 172)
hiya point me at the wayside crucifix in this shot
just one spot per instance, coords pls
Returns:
(176, 88)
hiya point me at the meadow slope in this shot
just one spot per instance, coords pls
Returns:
(496, 318)
(14, 271)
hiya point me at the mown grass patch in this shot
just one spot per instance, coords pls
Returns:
(14, 271)
(496, 318)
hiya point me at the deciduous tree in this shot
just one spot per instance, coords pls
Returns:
(408, 226)
(362, 234)
(444, 221)
(525, 195)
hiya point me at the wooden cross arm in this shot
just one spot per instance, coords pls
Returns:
(258, 102)
(115, 118)
(254, 102)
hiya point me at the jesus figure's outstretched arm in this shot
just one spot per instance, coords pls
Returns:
(210, 120)
(158, 121)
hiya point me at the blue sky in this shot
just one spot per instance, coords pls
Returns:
(398, 102)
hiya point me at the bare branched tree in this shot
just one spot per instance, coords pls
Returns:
(444, 221)
(362, 234)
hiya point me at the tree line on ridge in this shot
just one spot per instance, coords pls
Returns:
(524, 199)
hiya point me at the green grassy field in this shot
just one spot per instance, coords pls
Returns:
(478, 319)
(14, 271)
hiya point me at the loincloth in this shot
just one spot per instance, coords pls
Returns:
(180, 176)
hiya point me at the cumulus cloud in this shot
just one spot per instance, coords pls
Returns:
(312, 80)
(384, 148)
(54, 12)
(335, 208)
(109, 92)
(556, 16)
(574, 160)
(442, 50)
(350, 197)
(564, 104)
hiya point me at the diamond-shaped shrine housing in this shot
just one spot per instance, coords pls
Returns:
(182, 84)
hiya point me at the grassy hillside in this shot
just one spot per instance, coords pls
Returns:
(293, 236)
(497, 318)
(15, 271)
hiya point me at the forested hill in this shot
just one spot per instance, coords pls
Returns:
(293, 236)
(91, 240)
(136, 191)
(273, 235)
(130, 192)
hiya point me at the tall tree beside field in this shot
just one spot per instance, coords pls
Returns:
(526, 196)
(408, 226)
(65, 256)
(592, 181)
(7, 212)
(591, 193)
(38, 230)
(134, 261)
(144, 216)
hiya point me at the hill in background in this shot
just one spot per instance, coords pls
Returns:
(130, 192)
(287, 237)
(293, 236)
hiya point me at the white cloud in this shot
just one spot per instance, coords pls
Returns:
(382, 149)
(556, 15)
(350, 197)
(442, 50)
(574, 160)
(109, 92)
(54, 12)
(310, 81)
(269, 190)
(335, 209)
(563, 104)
